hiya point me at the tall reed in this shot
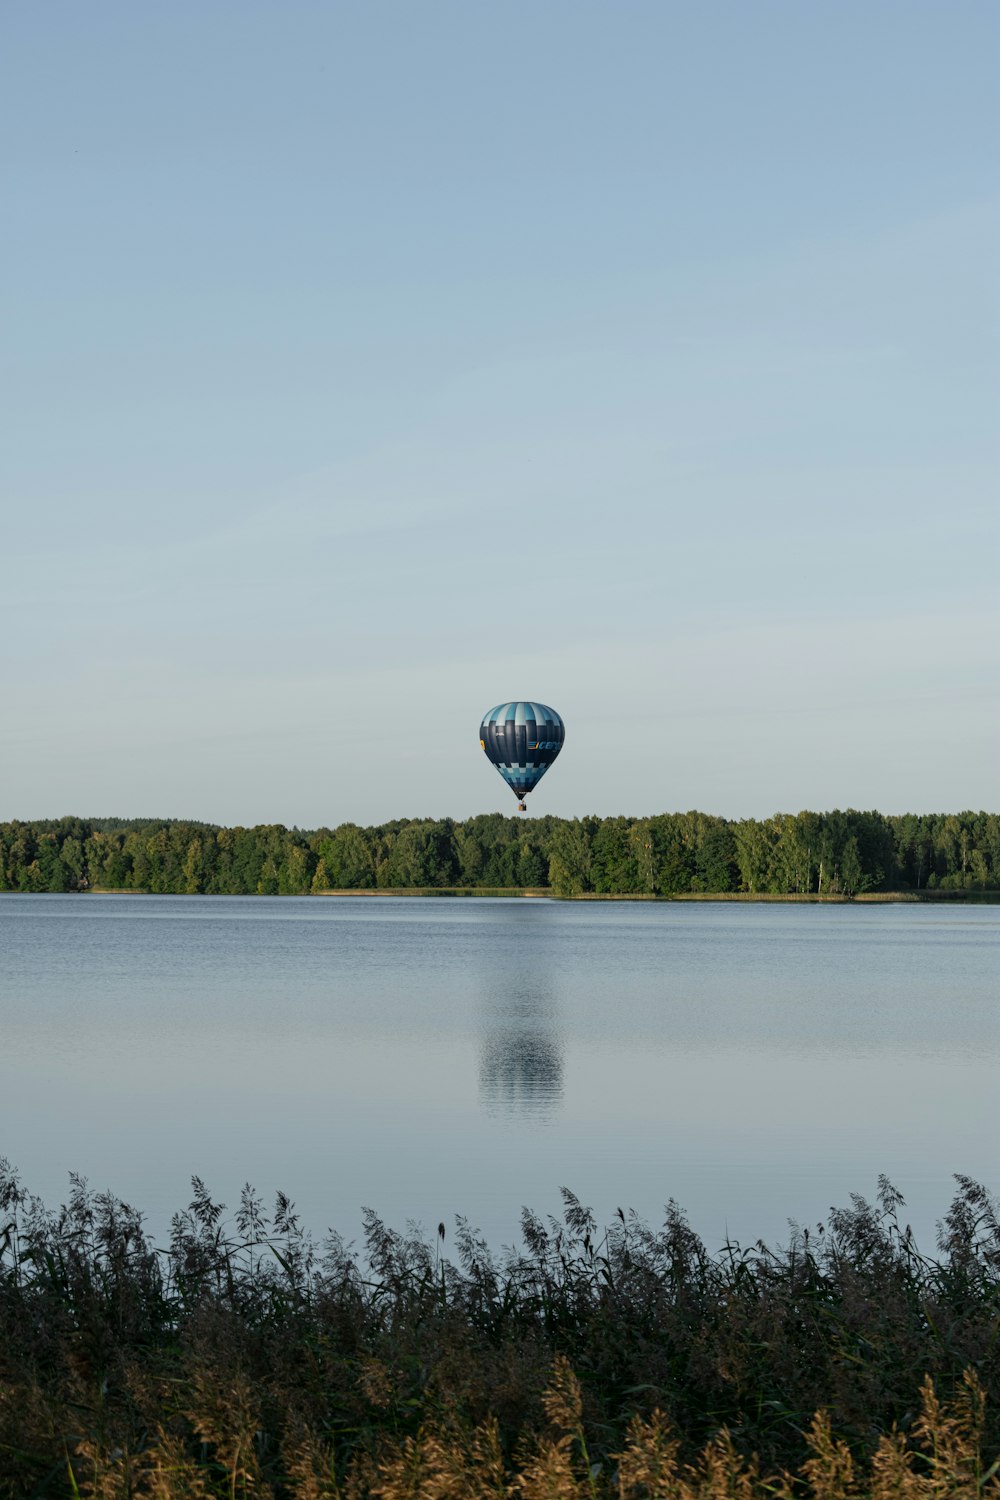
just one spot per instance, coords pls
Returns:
(244, 1359)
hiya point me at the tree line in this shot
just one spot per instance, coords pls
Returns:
(825, 854)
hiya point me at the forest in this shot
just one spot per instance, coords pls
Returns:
(829, 854)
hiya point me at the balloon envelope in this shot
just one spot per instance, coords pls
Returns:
(522, 740)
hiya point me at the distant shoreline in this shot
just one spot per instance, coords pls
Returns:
(693, 856)
(867, 898)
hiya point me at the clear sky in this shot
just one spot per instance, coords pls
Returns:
(367, 364)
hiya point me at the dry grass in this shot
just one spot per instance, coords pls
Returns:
(446, 1460)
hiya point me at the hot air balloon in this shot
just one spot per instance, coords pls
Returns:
(522, 740)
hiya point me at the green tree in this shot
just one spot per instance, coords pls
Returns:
(21, 856)
(71, 856)
(532, 865)
(715, 857)
(853, 879)
(192, 867)
(617, 858)
(48, 872)
(754, 847)
(296, 870)
(672, 839)
(424, 855)
(570, 858)
(348, 857)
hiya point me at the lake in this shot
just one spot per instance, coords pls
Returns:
(432, 1057)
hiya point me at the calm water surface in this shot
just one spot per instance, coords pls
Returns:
(433, 1057)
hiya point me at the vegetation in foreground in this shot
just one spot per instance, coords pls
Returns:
(831, 854)
(244, 1360)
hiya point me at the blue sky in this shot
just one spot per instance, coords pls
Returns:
(365, 365)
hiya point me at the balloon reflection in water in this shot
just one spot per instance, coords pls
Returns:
(521, 1061)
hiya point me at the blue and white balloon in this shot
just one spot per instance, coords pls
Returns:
(522, 739)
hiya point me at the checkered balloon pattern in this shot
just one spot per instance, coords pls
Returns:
(522, 740)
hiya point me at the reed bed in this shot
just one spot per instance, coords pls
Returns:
(243, 1359)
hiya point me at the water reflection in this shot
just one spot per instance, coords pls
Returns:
(521, 1060)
